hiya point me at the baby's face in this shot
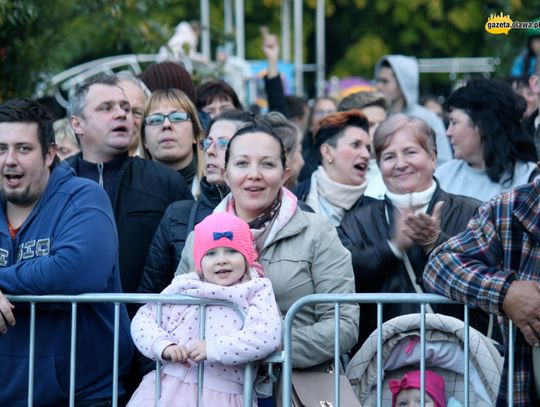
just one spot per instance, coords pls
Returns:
(411, 398)
(223, 266)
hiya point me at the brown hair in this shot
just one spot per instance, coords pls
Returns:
(179, 99)
(424, 135)
(360, 100)
(331, 128)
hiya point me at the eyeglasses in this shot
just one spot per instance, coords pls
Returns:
(221, 143)
(174, 117)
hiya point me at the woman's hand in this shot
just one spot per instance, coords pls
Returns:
(197, 351)
(424, 229)
(176, 354)
(402, 235)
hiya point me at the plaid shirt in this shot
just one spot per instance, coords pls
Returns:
(501, 244)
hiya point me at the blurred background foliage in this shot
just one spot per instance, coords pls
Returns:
(41, 38)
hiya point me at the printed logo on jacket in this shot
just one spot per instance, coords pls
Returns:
(27, 250)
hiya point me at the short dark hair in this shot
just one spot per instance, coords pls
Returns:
(29, 111)
(211, 90)
(296, 106)
(360, 100)
(240, 118)
(496, 110)
(78, 99)
(259, 125)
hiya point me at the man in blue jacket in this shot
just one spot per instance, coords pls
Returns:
(57, 236)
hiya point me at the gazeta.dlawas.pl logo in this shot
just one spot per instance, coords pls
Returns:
(502, 24)
(498, 24)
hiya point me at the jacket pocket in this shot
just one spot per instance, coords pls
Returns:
(14, 389)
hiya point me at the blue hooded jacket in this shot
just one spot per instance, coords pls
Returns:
(67, 245)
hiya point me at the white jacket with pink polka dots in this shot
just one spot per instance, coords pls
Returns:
(229, 342)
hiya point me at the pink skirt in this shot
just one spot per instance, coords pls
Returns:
(175, 392)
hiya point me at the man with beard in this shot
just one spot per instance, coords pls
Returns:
(57, 236)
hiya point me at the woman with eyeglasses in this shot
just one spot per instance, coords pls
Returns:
(181, 217)
(170, 133)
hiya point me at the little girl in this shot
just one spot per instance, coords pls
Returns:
(226, 270)
(406, 391)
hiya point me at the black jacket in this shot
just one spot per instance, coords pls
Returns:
(365, 232)
(178, 221)
(144, 190)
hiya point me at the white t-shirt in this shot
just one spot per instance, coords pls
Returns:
(458, 177)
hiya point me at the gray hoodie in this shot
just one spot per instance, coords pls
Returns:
(407, 75)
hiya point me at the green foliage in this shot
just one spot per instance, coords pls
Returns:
(41, 38)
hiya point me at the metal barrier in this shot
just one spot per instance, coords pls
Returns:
(284, 356)
(380, 299)
(117, 300)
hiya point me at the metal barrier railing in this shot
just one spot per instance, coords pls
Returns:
(284, 357)
(118, 300)
(380, 299)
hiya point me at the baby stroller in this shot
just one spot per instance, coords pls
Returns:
(444, 355)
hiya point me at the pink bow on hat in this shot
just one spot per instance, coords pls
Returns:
(434, 385)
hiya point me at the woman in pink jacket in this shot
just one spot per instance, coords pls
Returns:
(225, 257)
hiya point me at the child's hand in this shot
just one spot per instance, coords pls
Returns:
(197, 351)
(176, 354)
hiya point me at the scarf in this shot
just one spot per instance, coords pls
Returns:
(417, 201)
(284, 211)
(331, 198)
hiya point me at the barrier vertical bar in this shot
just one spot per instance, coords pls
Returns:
(423, 354)
(510, 355)
(73, 354)
(200, 367)
(298, 49)
(379, 353)
(336, 354)
(31, 354)
(116, 353)
(466, 354)
(248, 384)
(158, 363)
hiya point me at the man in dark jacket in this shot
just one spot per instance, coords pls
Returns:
(57, 236)
(140, 190)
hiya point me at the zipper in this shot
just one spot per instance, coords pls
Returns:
(100, 171)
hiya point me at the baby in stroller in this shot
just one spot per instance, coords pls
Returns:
(406, 391)
(444, 355)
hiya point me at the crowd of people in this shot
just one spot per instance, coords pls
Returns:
(152, 185)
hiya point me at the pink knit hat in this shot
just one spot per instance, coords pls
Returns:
(434, 385)
(223, 229)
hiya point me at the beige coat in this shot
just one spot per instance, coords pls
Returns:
(306, 257)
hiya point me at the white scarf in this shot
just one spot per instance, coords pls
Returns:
(418, 201)
(331, 198)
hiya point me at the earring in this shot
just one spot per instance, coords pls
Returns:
(330, 161)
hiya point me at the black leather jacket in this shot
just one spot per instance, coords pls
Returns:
(365, 231)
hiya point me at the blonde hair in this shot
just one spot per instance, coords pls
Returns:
(63, 130)
(180, 100)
